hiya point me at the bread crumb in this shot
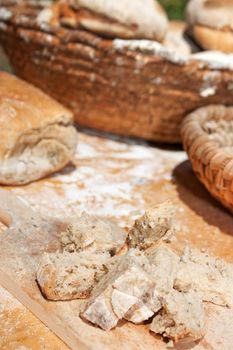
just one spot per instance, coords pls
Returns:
(155, 225)
(163, 267)
(211, 277)
(67, 276)
(182, 316)
(91, 233)
(126, 291)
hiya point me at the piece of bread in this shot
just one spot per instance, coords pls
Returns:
(163, 266)
(90, 233)
(126, 291)
(182, 316)
(110, 18)
(211, 23)
(88, 244)
(37, 136)
(156, 224)
(68, 276)
(178, 40)
(211, 277)
(139, 286)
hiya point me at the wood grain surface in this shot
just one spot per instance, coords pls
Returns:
(120, 180)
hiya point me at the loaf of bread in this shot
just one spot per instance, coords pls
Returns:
(37, 136)
(211, 23)
(109, 18)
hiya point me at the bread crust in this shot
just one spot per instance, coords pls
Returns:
(213, 39)
(157, 224)
(37, 136)
(69, 276)
(217, 14)
(177, 39)
(109, 18)
(211, 23)
(92, 233)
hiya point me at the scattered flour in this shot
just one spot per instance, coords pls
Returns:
(44, 16)
(106, 180)
(208, 91)
(150, 47)
(214, 59)
(5, 14)
(7, 301)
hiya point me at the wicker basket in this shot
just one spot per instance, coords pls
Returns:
(132, 88)
(207, 136)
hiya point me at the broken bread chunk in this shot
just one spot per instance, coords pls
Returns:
(155, 225)
(91, 233)
(136, 283)
(182, 316)
(149, 281)
(99, 310)
(126, 291)
(211, 277)
(67, 276)
(163, 267)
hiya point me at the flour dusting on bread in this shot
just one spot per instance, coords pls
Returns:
(37, 135)
(147, 280)
(156, 224)
(91, 233)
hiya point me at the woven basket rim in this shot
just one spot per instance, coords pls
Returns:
(200, 139)
(208, 59)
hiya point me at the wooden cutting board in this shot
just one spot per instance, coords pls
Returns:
(117, 180)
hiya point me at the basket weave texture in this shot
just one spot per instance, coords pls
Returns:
(207, 136)
(142, 92)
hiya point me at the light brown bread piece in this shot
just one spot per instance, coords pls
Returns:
(211, 23)
(126, 291)
(212, 278)
(177, 39)
(135, 283)
(115, 19)
(37, 136)
(156, 224)
(90, 233)
(216, 14)
(163, 267)
(67, 276)
(182, 316)
(213, 39)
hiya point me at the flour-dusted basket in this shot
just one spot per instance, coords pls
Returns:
(207, 135)
(129, 87)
